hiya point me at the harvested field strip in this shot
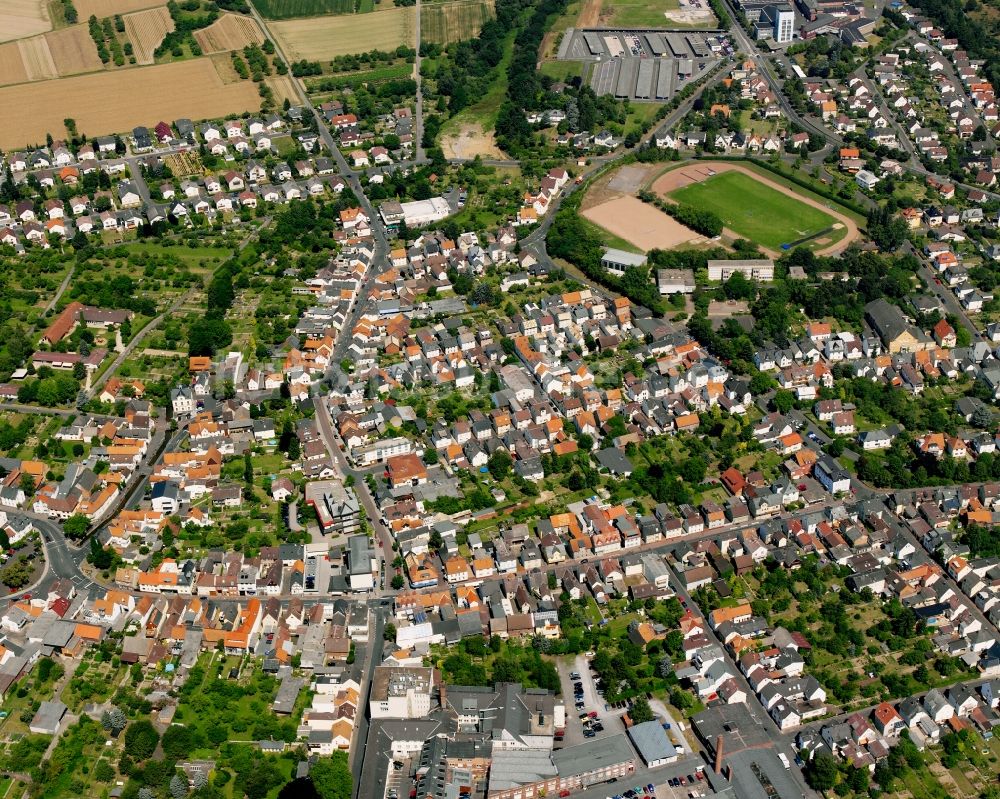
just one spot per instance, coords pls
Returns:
(443, 23)
(283, 88)
(146, 29)
(288, 9)
(20, 18)
(229, 32)
(107, 8)
(73, 51)
(11, 64)
(38, 61)
(323, 38)
(110, 102)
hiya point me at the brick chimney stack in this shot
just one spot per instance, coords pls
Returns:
(718, 755)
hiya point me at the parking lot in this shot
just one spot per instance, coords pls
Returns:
(644, 65)
(399, 781)
(608, 718)
(692, 785)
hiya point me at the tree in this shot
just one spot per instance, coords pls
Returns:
(141, 739)
(27, 484)
(640, 711)
(76, 526)
(177, 742)
(499, 464)
(332, 777)
(113, 720)
(389, 633)
(821, 772)
(178, 786)
(783, 400)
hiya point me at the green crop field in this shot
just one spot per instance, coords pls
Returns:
(287, 9)
(443, 23)
(755, 211)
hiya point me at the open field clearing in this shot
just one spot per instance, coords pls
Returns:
(756, 208)
(146, 29)
(229, 32)
(283, 88)
(106, 8)
(11, 64)
(287, 9)
(110, 102)
(73, 51)
(469, 141)
(20, 18)
(323, 38)
(640, 224)
(443, 23)
(37, 58)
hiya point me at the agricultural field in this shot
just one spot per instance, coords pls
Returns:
(118, 101)
(146, 29)
(323, 38)
(37, 58)
(443, 23)
(73, 50)
(20, 18)
(756, 208)
(107, 8)
(284, 89)
(289, 9)
(229, 32)
(11, 64)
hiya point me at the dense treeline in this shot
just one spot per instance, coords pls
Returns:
(571, 238)
(706, 223)
(513, 133)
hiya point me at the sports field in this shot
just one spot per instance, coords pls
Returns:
(751, 209)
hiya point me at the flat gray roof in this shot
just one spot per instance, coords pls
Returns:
(651, 741)
(594, 754)
(513, 767)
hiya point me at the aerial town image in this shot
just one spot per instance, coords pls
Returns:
(499, 399)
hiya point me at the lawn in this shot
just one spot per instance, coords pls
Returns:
(562, 70)
(754, 211)
(632, 14)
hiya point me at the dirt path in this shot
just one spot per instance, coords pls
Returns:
(702, 170)
(590, 14)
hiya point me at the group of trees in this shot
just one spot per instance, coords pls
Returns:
(478, 661)
(69, 12)
(886, 228)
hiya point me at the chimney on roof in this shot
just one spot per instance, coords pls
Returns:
(718, 755)
(442, 694)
